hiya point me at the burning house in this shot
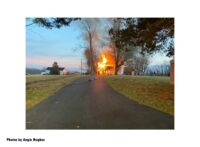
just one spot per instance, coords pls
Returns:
(106, 65)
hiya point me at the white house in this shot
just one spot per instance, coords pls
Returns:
(62, 70)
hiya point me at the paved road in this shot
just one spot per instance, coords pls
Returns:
(94, 105)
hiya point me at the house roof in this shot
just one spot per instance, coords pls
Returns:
(60, 68)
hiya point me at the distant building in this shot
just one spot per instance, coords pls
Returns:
(65, 71)
(62, 70)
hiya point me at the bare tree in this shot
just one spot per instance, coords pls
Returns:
(136, 62)
(87, 55)
(90, 36)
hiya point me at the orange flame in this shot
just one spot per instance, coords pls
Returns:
(105, 66)
(102, 65)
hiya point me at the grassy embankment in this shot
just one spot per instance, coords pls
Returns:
(155, 92)
(39, 88)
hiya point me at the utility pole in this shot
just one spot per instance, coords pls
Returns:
(81, 66)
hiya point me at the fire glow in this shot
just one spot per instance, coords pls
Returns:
(102, 64)
(105, 65)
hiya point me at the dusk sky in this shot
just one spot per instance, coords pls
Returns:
(44, 46)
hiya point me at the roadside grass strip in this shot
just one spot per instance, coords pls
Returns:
(39, 88)
(155, 92)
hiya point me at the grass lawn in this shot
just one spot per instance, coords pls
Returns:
(152, 91)
(40, 87)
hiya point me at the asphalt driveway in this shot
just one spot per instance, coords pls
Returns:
(94, 105)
